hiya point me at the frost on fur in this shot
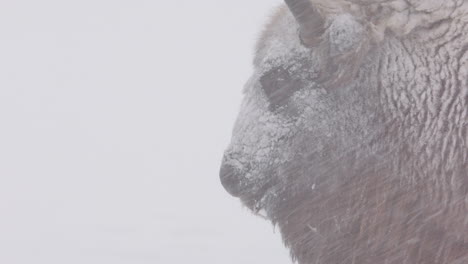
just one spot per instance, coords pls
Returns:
(352, 136)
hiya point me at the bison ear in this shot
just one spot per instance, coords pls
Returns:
(311, 23)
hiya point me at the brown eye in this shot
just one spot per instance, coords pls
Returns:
(279, 86)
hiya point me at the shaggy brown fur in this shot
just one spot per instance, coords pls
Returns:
(357, 147)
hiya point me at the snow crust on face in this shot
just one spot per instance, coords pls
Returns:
(256, 126)
(261, 138)
(260, 133)
(257, 130)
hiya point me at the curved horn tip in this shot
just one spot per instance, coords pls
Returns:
(311, 23)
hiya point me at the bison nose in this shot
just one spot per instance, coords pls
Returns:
(231, 179)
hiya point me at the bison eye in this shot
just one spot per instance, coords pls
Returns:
(279, 85)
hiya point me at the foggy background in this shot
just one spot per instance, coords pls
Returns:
(113, 119)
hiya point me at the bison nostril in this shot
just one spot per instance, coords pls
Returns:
(231, 179)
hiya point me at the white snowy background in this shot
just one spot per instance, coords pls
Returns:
(113, 119)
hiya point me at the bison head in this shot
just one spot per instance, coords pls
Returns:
(352, 136)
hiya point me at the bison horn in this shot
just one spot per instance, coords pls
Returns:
(311, 23)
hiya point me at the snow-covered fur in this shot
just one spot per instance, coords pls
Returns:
(356, 148)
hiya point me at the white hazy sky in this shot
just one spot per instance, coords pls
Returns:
(113, 119)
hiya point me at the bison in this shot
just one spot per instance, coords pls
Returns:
(352, 136)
